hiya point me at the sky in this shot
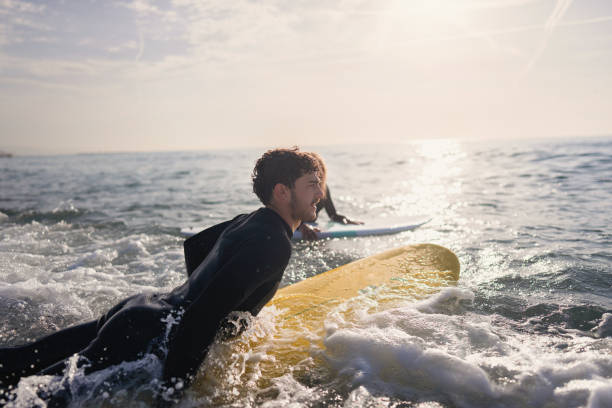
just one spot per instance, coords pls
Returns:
(149, 75)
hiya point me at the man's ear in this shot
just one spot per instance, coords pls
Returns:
(281, 193)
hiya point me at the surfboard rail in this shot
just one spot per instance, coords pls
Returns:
(300, 310)
(385, 226)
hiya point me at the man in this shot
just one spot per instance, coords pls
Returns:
(234, 266)
(326, 202)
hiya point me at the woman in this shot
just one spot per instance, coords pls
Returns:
(326, 202)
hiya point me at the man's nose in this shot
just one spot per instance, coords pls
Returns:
(320, 192)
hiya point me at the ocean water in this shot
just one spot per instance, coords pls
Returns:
(528, 325)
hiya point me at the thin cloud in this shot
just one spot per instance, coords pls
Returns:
(28, 23)
(140, 45)
(145, 8)
(19, 23)
(4, 37)
(518, 29)
(551, 23)
(355, 54)
(587, 21)
(489, 4)
(142, 6)
(217, 33)
(86, 42)
(59, 70)
(20, 6)
(557, 14)
(128, 46)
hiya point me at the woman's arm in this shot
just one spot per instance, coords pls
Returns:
(330, 209)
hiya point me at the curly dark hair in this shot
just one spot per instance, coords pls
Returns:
(280, 166)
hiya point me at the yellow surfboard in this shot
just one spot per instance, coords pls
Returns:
(300, 310)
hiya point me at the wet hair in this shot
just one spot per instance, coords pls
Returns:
(282, 166)
(322, 170)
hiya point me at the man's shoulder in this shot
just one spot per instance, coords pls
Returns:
(261, 221)
(261, 229)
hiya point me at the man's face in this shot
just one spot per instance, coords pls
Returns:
(305, 195)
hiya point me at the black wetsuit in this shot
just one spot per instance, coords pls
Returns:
(234, 266)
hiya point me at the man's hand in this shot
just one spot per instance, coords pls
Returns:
(309, 233)
(343, 220)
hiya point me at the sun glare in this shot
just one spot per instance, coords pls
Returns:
(419, 20)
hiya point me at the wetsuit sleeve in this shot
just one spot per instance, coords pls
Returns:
(198, 247)
(254, 271)
(330, 209)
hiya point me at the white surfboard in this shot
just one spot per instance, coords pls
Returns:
(382, 226)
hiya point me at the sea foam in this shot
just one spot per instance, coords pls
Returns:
(436, 349)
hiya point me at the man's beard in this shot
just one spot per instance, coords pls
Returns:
(304, 215)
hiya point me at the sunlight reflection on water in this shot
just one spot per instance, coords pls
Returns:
(529, 223)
